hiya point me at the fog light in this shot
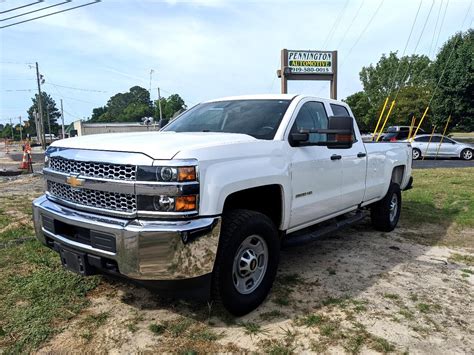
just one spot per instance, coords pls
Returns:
(163, 203)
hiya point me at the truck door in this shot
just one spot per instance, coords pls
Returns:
(316, 171)
(354, 166)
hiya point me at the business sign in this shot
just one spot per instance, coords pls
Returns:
(310, 62)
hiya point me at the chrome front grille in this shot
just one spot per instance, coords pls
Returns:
(94, 169)
(94, 198)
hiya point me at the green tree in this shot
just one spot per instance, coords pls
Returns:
(360, 106)
(455, 93)
(130, 106)
(49, 111)
(407, 80)
(169, 107)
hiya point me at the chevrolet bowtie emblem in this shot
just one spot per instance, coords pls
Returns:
(74, 181)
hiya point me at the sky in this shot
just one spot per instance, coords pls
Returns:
(203, 49)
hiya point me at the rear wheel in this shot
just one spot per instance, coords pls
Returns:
(386, 212)
(416, 153)
(247, 261)
(466, 154)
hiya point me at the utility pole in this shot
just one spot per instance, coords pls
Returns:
(62, 120)
(151, 73)
(159, 105)
(21, 132)
(11, 126)
(49, 121)
(40, 131)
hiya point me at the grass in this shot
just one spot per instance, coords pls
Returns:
(91, 323)
(311, 320)
(157, 329)
(251, 328)
(272, 315)
(37, 296)
(444, 197)
(446, 194)
(462, 259)
(423, 307)
(391, 296)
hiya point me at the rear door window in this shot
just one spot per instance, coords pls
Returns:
(339, 110)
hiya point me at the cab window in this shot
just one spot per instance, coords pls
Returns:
(312, 115)
(339, 110)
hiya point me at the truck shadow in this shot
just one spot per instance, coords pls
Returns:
(336, 268)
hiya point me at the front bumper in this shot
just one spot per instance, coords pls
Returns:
(142, 249)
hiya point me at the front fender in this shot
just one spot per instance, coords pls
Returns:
(223, 178)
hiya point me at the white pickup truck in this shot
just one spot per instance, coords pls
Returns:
(210, 199)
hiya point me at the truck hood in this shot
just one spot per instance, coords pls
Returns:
(157, 145)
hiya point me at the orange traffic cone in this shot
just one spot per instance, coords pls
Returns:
(24, 162)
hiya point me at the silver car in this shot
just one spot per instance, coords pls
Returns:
(441, 147)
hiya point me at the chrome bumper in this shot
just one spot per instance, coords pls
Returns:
(145, 250)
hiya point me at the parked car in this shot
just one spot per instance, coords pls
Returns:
(50, 138)
(210, 199)
(398, 133)
(440, 146)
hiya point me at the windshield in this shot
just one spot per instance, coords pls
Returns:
(257, 118)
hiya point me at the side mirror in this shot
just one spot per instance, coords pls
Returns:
(298, 137)
(339, 132)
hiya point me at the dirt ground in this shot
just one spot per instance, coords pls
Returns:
(357, 291)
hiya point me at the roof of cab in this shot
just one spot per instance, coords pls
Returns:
(271, 97)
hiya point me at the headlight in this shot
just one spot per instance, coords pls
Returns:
(46, 161)
(167, 173)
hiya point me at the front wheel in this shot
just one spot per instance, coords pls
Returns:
(246, 262)
(386, 212)
(416, 154)
(466, 154)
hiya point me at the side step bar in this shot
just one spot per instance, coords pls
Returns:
(311, 234)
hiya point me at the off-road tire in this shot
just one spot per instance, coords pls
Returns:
(416, 154)
(237, 225)
(465, 154)
(380, 212)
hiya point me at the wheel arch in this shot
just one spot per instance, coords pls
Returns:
(266, 199)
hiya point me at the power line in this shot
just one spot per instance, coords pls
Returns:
(21, 7)
(334, 26)
(33, 11)
(436, 26)
(50, 14)
(74, 88)
(13, 90)
(350, 25)
(450, 54)
(362, 33)
(414, 51)
(441, 26)
(392, 81)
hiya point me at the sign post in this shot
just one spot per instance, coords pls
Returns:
(308, 65)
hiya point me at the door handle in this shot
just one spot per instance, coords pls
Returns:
(336, 157)
(361, 155)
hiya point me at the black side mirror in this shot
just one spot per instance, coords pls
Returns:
(297, 138)
(339, 132)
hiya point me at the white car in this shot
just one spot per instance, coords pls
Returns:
(210, 199)
(441, 147)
